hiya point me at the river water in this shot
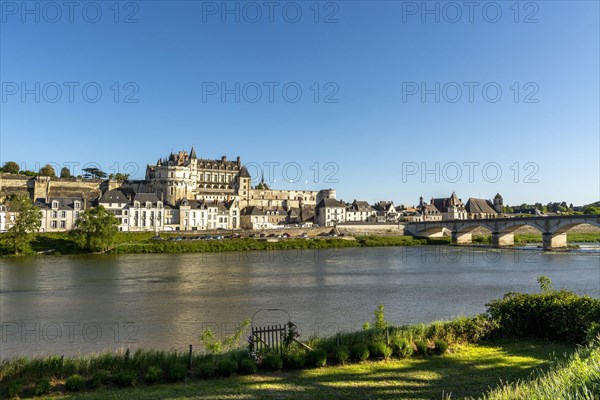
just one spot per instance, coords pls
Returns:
(81, 304)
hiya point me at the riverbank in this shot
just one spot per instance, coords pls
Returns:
(467, 370)
(142, 242)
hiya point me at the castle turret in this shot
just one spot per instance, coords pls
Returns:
(498, 203)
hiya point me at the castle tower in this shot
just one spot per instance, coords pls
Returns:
(498, 203)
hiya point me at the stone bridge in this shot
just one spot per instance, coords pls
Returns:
(554, 228)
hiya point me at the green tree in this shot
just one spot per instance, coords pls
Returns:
(119, 177)
(29, 173)
(47, 170)
(95, 229)
(590, 209)
(231, 342)
(93, 173)
(11, 167)
(28, 220)
(65, 172)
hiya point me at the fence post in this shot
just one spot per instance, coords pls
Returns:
(190, 358)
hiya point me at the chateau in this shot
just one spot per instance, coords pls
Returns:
(182, 192)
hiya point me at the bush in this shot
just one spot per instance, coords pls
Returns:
(401, 347)
(422, 347)
(553, 315)
(360, 352)
(295, 360)
(75, 383)
(14, 389)
(593, 332)
(42, 387)
(176, 372)
(125, 378)
(227, 367)
(272, 362)
(340, 355)
(206, 370)
(100, 377)
(441, 346)
(154, 374)
(248, 366)
(316, 358)
(470, 329)
(379, 349)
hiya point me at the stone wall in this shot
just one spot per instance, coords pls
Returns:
(362, 229)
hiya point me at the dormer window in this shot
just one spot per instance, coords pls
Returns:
(159, 204)
(148, 204)
(136, 204)
(77, 205)
(54, 204)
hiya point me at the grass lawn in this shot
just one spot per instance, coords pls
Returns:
(467, 370)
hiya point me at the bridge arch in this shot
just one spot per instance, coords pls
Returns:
(568, 226)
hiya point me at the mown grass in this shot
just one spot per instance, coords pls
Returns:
(468, 370)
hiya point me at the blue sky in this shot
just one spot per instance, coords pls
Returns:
(368, 130)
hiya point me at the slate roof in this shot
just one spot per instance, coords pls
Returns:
(113, 196)
(480, 206)
(144, 197)
(244, 173)
(330, 203)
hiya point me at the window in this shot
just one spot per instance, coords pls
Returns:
(77, 205)
(63, 214)
(124, 220)
(53, 224)
(54, 214)
(63, 224)
(76, 214)
(54, 204)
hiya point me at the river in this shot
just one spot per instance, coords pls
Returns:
(81, 304)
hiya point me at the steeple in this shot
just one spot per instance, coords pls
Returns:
(193, 152)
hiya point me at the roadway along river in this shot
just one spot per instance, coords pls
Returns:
(82, 304)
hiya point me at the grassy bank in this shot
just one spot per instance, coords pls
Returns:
(468, 370)
(139, 242)
(525, 238)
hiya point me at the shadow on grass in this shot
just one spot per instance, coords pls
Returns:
(469, 371)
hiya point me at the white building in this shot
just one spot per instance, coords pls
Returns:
(116, 203)
(60, 213)
(146, 213)
(330, 212)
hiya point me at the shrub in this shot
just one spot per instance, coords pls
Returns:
(206, 370)
(176, 372)
(100, 377)
(248, 366)
(470, 329)
(379, 349)
(553, 315)
(14, 389)
(360, 352)
(593, 332)
(42, 387)
(422, 347)
(154, 374)
(227, 367)
(295, 360)
(75, 383)
(316, 358)
(272, 362)
(401, 347)
(441, 346)
(340, 355)
(125, 378)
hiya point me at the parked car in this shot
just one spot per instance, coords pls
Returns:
(156, 238)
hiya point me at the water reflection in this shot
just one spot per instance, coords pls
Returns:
(164, 301)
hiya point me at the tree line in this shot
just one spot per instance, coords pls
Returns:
(11, 167)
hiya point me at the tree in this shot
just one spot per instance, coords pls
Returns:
(28, 220)
(590, 209)
(93, 173)
(65, 172)
(119, 177)
(29, 173)
(47, 170)
(95, 229)
(11, 167)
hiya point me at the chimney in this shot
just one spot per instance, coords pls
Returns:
(238, 161)
(223, 159)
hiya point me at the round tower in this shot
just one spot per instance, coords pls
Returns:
(498, 203)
